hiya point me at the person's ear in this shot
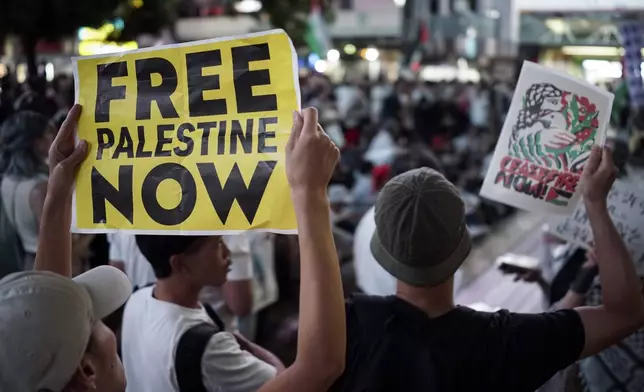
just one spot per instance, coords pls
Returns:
(178, 264)
(84, 380)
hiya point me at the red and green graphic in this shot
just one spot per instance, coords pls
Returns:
(554, 129)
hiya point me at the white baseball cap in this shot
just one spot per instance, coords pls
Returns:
(46, 322)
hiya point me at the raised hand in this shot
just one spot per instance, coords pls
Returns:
(55, 241)
(311, 156)
(599, 175)
(65, 157)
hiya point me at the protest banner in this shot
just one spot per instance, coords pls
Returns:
(187, 138)
(626, 208)
(553, 122)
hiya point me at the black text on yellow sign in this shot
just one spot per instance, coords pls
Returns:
(187, 138)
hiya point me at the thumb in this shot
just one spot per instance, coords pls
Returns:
(606, 164)
(77, 156)
(310, 116)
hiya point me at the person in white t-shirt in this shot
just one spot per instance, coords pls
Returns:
(156, 318)
(233, 300)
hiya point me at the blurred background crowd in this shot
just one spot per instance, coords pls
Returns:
(398, 84)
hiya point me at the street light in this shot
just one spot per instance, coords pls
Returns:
(248, 6)
(333, 55)
(371, 54)
(320, 66)
(493, 14)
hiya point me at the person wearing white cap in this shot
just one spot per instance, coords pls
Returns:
(52, 337)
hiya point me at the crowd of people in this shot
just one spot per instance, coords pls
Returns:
(386, 199)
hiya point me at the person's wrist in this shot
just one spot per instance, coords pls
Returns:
(597, 205)
(56, 201)
(309, 194)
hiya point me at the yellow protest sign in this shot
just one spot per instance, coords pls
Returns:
(187, 138)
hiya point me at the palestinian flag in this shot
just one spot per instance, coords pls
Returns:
(317, 34)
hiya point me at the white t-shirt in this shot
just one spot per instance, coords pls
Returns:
(151, 332)
(123, 248)
(371, 278)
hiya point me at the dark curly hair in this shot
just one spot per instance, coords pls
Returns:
(17, 136)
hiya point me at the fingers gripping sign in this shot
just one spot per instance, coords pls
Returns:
(65, 156)
(311, 156)
(599, 175)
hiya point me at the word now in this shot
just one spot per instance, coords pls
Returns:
(222, 197)
(243, 81)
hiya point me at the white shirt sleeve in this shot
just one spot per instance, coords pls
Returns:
(226, 367)
(115, 247)
(241, 267)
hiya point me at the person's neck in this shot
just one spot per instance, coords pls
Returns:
(177, 292)
(434, 301)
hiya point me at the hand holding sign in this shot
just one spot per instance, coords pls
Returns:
(64, 157)
(187, 139)
(311, 156)
(553, 121)
(599, 175)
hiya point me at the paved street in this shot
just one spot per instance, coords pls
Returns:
(482, 281)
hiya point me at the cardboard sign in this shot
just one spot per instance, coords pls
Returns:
(553, 122)
(626, 208)
(188, 138)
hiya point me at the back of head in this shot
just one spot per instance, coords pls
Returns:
(159, 249)
(421, 237)
(18, 136)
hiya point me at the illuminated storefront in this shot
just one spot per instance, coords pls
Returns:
(93, 41)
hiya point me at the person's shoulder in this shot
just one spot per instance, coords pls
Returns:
(134, 305)
(553, 323)
(140, 296)
(222, 342)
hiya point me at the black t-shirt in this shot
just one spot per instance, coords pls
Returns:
(394, 346)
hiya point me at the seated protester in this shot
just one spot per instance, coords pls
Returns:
(419, 340)
(559, 265)
(52, 336)
(156, 318)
